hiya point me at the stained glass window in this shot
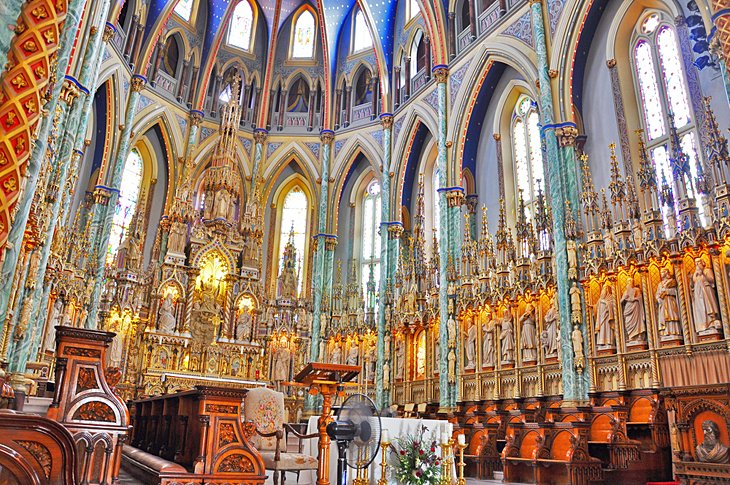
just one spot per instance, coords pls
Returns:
(663, 94)
(362, 39)
(126, 203)
(184, 8)
(239, 34)
(413, 9)
(303, 42)
(529, 173)
(370, 235)
(294, 223)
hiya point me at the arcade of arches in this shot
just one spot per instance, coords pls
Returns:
(511, 215)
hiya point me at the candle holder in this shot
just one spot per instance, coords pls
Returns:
(461, 447)
(447, 462)
(384, 463)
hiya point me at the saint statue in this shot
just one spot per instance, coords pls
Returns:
(134, 257)
(667, 305)
(336, 354)
(55, 319)
(352, 355)
(452, 366)
(451, 331)
(386, 375)
(114, 357)
(606, 317)
(507, 338)
(706, 311)
(572, 259)
(471, 344)
(528, 336)
(632, 307)
(551, 335)
(576, 338)
(488, 341)
(166, 323)
(222, 201)
(282, 356)
(711, 450)
(399, 359)
(176, 240)
(243, 325)
(575, 311)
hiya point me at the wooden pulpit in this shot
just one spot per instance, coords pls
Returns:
(327, 380)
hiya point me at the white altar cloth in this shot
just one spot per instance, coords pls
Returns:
(396, 427)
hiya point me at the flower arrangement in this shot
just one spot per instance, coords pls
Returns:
(416, 461)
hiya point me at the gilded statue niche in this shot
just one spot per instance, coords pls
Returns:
(209, 298)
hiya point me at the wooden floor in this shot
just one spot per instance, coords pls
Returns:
(125, 479)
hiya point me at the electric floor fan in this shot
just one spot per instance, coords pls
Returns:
(356, 429)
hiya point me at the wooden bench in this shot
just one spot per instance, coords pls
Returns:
(550, 453)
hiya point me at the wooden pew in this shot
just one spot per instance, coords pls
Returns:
(35, 450)
(550, 453)
(193, 435)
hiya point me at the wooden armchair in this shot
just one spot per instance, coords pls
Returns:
(265, 409)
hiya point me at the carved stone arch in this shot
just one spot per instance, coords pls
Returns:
(216, 246)
(285, 154)
(409, 124)
(298, 72)
(694, 408)
(339, 190)
(172, 282)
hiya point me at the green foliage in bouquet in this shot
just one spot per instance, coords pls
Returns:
(414, 460)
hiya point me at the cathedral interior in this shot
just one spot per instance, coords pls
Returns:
(509, 218)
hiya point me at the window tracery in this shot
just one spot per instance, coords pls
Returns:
(126, 203)
(239, 33)
(663, 96)
(303, 38)
(529, 173)
(184, 8)
(370, 237)
(361, 38)
(294, 225)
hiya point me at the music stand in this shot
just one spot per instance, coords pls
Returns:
(325, 379)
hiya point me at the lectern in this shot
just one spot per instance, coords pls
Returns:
(325, 379)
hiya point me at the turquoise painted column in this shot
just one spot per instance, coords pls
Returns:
(382, 396)
(327, 137)
(575, 386)
(259, 136)
(30, 325)
(67, 161)
(22, 209)
(447, 384)
(106, 211)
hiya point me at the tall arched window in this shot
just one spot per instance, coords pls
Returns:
(413, 9)
(529, 173)
(370, 236)
(239, 33)
(361, 38)
(184, 8)
(303, 38)
(663, 94)
(126, 203)
(294, 223)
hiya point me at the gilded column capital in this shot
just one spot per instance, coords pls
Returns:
(533, 2)
(330, 243)
(441, 73)
(454, 197)
(611, 63)
(102, 195)
(260, 136)
(327, 136)
(395, 231)
(69, 91)
(386, 119)
(566, 135)
(196, 117)
(109, 31)
(138, 82)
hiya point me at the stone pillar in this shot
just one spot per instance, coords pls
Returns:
(156, 60)
(448, 386)
(32, 169)
(131, 35)
(183, 80)
(407, 67)
(245, 103)
(396, 91)
(310, 111)
(256, 103)
(259, 136)
(472, 19)
(104, 212)
(427, 40)
(348, 105)
(216, 93)
(193, 84)
(318, 277)
(374, 88)
(272, 105)
(452, 35)
(338, 107)
(137, 46)
(282, 109)
(575, 385)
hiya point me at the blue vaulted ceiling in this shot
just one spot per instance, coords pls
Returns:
(380, 14)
